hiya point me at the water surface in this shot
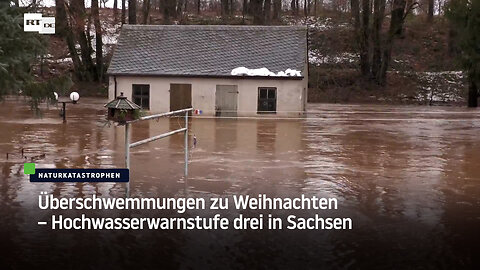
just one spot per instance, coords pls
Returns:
(408, 176)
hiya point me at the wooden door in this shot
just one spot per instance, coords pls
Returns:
(180, 96)
(226, 100)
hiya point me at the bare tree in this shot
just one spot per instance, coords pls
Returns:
(267, 11)
(378, 15)
(98, 40)
(294, 6)
(244, 9)
(115, 10)
(375, 51)
(65, 31)
(256, 6)
(277, 9)
(123, 11)
(168, 10)
(77, 10)
(132, 11)
(146, 11)
(364, 38)
(431, 4)
(224, 8)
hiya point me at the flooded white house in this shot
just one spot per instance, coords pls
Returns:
(218, 70)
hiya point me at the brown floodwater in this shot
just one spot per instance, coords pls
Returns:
(408, 176)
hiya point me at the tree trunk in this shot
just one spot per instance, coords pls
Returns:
(89, 30)
(65, 31)
(244, 10)
(146, 11)
(256, 7)
(115, 10)
(378, 14)
(77, 9)
(199, 6)
(168, 10)
(305, 9)
(396, 22)
(179, 9)
(431, 4)
(132, 11)
(355, 8)
(123, 11)
(364, 39)
(224, 8)
(277, 9)
(472, 92)
(452, 38)
(267, 15)
(98, 40)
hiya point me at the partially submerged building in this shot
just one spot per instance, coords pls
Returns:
(220, 70)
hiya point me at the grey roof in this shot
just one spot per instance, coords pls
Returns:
(123, 103)
(207, 50)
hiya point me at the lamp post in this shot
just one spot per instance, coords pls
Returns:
(74, 97)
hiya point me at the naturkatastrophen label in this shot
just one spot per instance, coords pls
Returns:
(76, 175)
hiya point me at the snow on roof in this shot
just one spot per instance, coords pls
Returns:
(243, 71)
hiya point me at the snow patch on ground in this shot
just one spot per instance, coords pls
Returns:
(315, 23)
(110, 33)
(316, 58)
(60, 60)
(243, 71)
(438, 87)
(442, 86)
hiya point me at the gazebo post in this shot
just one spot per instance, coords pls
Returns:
(127, 154)
(64, 112)
(122, 110)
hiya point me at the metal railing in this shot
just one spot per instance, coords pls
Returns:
(129, 145)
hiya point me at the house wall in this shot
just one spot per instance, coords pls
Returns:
(291, 94)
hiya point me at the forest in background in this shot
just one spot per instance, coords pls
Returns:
(376, 51)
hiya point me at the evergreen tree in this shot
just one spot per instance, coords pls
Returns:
(18, 50)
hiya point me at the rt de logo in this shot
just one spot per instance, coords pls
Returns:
(34, 22)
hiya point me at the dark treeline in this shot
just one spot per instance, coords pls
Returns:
(261, 11)
(375, 44)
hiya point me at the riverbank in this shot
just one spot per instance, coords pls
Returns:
(447, 88)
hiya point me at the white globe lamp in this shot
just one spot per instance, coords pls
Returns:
(74, 96)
